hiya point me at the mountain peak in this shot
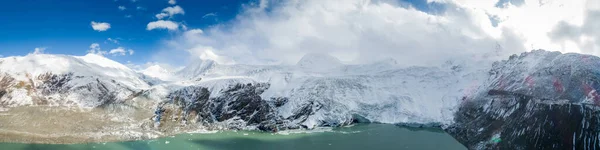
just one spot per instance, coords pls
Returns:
(103, 61)
(319, 61)
(157, 71)
(197, 68)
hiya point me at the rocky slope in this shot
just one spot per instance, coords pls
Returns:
(537, 100)
(378, 92)
(56, 80)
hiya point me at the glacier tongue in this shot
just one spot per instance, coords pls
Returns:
(531, 100)
(337, 93)
(318, 91)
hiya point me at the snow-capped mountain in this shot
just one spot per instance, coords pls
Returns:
(318, 62)
(86, 81)
(536, 100)
(481, 100)
(158, 72)
(335, 94)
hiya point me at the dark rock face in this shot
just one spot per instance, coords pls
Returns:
(55, 89)
(243, 101)
(516, 121)
(306, 110)
(279, 101)
(538, 100)
(52, 83)
(5, 81)
(238, 107)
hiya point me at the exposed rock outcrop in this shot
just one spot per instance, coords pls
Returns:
(237, 107)
(538, 100)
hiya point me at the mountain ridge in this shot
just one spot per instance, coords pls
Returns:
(292, 97)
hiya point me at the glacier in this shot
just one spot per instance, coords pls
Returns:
(321, 91)
(381, 91)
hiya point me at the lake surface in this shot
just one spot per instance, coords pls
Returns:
(362, 136)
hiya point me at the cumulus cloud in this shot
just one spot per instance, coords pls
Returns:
(360, 31)
(172, 2)
(120, 51)
(584, 37)
(170, 12)
(534, 20)
(356, 31)
(100, 26)
(209, 15)
(161, 15)
(39, 50)
(113, 40)
(193, 32)
(117, 51)
(122, 7)
(162, 24)
(95, 49)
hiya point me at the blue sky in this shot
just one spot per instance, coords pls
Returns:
(281, 31)
(63, 27)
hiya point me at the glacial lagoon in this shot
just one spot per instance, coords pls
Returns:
(360, 136)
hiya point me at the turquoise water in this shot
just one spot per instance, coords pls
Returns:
(360, 137)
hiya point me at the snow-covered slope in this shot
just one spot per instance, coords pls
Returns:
(158, 72)
(318, 91)
(318, 62)
(337, 93)
(530, 101)
(536, 100)
(196, 69)
(86, 81)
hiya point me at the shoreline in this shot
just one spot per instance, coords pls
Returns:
(65, 125)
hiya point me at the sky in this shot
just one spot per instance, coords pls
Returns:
(65, 27)
(413, 32)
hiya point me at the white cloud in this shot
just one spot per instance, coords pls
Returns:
(169, 12)
(355, 31)
(140, 8)
(536, 19)
(95, 49)
(120, 51)
(193, 32)
(113, 40)
(162, 24)
(128, 16)
(359, 31)
(172, 2)
(161, 15)
(122, 7)
(584, 37)
(100, 26)
(209, 15)
(38, 50)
